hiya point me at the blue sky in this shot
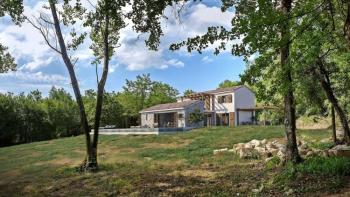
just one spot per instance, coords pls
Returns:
(41, 68)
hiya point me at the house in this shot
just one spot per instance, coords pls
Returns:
(172, 115)
(221, 107)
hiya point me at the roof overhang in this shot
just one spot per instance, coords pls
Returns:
(162, 110)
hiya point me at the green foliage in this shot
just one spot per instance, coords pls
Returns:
(317, 166)
(13, 8)
(196, 116)
(333, 166)
(143, 92)
(227, 83)
(7, 62)
(188, 92)
(272, 163)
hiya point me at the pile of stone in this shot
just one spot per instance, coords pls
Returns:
(267, 149)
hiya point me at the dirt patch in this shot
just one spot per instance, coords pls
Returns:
(199, 173)
(9, 176)
(61, 161)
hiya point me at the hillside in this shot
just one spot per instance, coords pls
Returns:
(180, 164)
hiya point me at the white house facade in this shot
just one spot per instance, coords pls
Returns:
(221, 107)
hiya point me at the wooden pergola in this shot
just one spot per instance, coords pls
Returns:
(205, 97)
(254, 109)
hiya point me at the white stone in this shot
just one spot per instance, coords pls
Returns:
(220, 151)
(255, 143)
(281, 155)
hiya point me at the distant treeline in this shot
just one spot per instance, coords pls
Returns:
(32, 117)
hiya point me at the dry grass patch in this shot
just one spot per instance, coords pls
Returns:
(195, 173)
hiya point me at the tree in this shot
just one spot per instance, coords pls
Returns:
(13, 8)
(263, 29)
(142, 93)
(104, 20)
(228, 83)
(140, 88)
(62, 113)
(161, 93)
(196, 116)
(188, 92)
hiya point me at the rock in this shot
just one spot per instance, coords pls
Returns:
(247, 153)
(304, 146)
(325, 153)
(332, 153)
(273, 151)
(303, 152)
(270, 145)
(255, 143)
(239, 145)
(324, 140)
(260, 150)
(264, 142)
(341, 151)
(310, 153)
(232, 150)
(281, 155)
(218, 151)
(248, 145)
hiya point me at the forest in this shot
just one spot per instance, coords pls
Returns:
(31, 117)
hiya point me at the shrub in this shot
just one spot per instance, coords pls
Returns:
(333, 166)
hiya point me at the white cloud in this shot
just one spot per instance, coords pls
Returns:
(25, 42)
(134, 54)
(37, 77)
(207, 59)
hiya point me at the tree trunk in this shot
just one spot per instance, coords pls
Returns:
(90, 161)
(334, 130)
(292, 153)
(347, 23)
(101, 85)
(326, 85)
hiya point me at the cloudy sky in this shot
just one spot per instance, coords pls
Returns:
(39, 67)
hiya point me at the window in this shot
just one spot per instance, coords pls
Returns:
(225, 99)
(181, 116)
(146, 116)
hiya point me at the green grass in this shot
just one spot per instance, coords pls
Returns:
(180, 164)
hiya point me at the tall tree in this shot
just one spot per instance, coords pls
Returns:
(13, 8)
(289, 101)
(104, 20)
(262, 27)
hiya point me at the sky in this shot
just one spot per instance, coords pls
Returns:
(39, 67)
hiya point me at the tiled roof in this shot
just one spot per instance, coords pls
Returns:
(219, 90)
(169, 106)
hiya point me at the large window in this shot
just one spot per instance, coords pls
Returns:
(225, 99)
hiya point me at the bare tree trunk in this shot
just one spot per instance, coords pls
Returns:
(101, 85)
(89, 162)
(292, 153)
(334, 129)
(326, 85)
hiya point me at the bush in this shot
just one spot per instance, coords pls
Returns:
(333, 166)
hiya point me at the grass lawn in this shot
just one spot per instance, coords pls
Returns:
(176, 164)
